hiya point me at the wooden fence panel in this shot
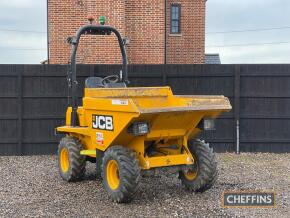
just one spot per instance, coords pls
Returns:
(33, 100)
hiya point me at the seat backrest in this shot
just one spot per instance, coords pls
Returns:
(94, 82)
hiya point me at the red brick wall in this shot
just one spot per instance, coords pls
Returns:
(187, 47)
(66, 17)
(143, 22)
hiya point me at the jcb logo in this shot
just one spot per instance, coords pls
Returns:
(103, 122)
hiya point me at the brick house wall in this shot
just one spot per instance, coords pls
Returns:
(143, 22)
(188, 46)
(145, 29)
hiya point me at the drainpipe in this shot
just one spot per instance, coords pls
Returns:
(238, 137)
(47, 23)
(165, 34)
(237, 97)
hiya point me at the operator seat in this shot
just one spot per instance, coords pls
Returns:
(94, 82)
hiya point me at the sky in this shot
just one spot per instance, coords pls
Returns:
(227, 25)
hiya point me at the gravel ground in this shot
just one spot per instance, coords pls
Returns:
(31, 186)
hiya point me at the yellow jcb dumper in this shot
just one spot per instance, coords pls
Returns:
(129, 130)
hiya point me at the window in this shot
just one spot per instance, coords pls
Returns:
(175, 18)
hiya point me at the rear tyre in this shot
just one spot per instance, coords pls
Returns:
(71, 164)
(120, 173)
(203, 173)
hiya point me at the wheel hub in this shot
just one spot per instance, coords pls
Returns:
(190, 174)
(64, 160)
(113, 174)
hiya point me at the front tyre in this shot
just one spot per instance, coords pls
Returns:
(71, 164)
(203, 173)
(120, 173)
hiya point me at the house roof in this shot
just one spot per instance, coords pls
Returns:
(212, 59)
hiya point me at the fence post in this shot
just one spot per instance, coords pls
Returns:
(92, 70)
(237, 105)
(20, 152)
(164, 75)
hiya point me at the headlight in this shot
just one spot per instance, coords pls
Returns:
(206, 124)
(139, 128)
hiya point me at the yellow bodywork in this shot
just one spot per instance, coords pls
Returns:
(172, 120)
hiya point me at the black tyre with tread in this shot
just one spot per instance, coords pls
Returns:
(128, 173)
(77, 162)
(205, 167)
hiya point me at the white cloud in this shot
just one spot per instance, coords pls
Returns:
(20, 3)
(254, 54)
(22, 15)
(22, 40)
(225, 15)
(19, 48)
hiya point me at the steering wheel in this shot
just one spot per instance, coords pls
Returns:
(110, 79)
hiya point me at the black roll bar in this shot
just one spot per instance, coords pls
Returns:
(74, 41)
